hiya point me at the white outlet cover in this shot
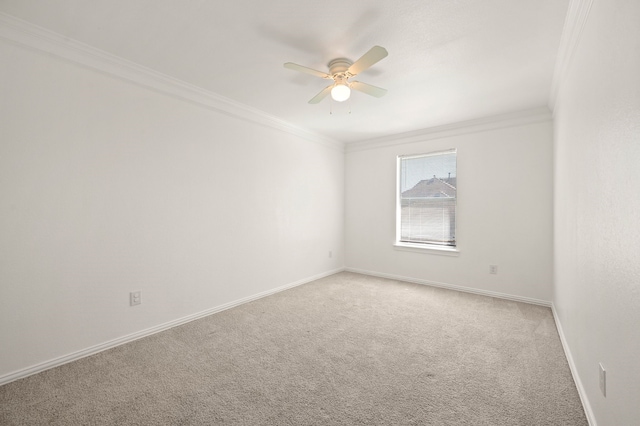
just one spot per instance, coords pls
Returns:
(134, 298)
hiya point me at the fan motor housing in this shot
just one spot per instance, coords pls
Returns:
(339, 65)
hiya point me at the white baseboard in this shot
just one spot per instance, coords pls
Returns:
(574, 371)
(453, 287)
(25, 372)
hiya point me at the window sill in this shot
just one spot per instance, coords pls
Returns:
(425, 248)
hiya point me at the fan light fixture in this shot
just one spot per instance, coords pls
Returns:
(340, 92)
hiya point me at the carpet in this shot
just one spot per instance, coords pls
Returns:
(347, 349)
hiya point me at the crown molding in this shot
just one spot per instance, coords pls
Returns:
(518, 118)
(574, 23)
(27, 34)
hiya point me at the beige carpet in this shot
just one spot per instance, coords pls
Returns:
(344, 350)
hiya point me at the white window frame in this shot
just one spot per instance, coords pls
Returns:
(416, 246)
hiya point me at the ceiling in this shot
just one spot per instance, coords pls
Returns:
(449, 60)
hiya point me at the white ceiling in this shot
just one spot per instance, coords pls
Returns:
(449, 60)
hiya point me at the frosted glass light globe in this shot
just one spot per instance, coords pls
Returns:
(340, 92)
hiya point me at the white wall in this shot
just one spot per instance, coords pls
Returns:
(108, 187)
(597, 209)
(504, 211)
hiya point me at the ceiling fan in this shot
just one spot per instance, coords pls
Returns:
(340, 71)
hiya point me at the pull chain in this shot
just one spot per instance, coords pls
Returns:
(331, 106)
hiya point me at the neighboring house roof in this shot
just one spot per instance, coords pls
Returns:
(434, 187)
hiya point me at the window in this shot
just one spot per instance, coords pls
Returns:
(426, 207)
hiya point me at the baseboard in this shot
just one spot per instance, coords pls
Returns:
(574, 371)
(453, 287)
(56, 362)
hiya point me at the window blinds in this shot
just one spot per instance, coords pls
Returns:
(427, 198)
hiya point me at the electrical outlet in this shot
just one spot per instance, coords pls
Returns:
(603, 379)
(135, 298)
(493, 269)
(330, 254)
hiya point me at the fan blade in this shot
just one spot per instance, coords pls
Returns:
(323, 94)
(311, 71)
(378, 92)
(375, 54)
